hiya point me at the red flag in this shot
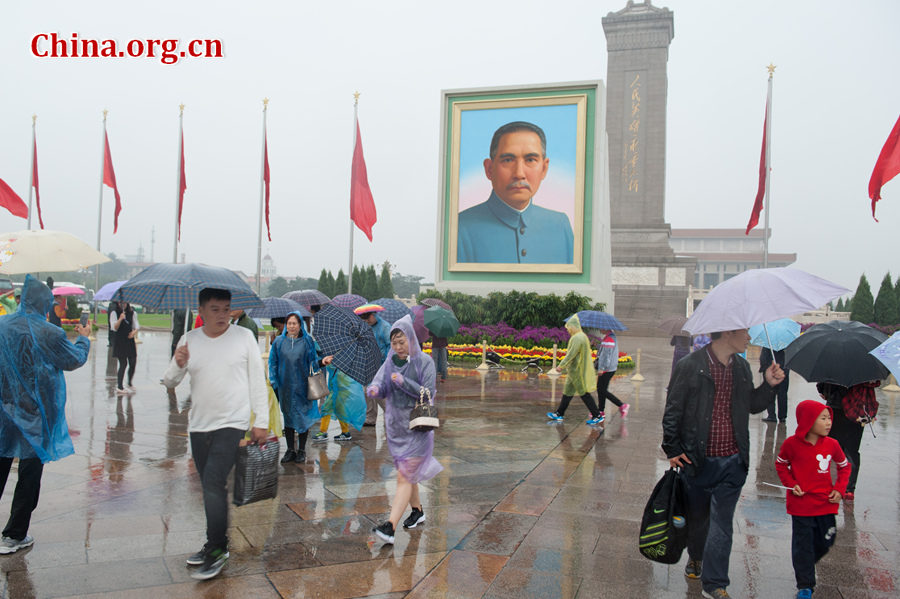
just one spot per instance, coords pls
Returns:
(11, 201)
(362, 205)
(763, 172)
(34, 183)
(886, 167)
(182, 187)
(266, 180)
(109, 178)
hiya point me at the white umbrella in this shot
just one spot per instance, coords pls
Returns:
(758, 296)
(45, 251)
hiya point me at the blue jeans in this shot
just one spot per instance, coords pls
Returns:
(712, 496)
(440, 360)
(215, 453)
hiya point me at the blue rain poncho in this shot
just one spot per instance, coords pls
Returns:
(346, 399)
(382, 332)
(32, 386)
(290, 360)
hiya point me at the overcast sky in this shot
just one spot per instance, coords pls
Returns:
(836, 97)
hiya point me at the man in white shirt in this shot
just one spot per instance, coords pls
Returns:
(227, 382)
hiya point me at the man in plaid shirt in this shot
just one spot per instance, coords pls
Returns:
(705, 433)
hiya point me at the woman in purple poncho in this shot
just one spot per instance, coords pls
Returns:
(399, 380)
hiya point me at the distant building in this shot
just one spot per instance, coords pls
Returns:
(723, 253)
(267, 267)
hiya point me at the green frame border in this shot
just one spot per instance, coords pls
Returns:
(584, 277)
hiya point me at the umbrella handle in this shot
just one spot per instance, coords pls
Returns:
(769, 341)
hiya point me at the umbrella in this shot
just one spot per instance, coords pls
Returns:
(888, 353)
(175, 286)
(433, 301)
(394, 310)
(107, 291)
(595, 319)
(440, 321)
(68, 290)
(344, 335)
(775, 335)
(673, 326)
(307, 297)
(760, 295)
(366, 308)
(45, 251)
(348, 300)
(422, 333)
(837, 352)
(277, 307)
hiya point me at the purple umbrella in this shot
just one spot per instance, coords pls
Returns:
(349, 300)
(419, 327)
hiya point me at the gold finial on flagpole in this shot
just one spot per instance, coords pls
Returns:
(180, 109)
(355, 98)
(265, 104)
(33, 119)
(105, 112)
(771, 68)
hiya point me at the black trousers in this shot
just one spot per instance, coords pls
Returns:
(603, 390)
(588, 400)
(131, 362)
(781, 393)
(25, 497)
(849, 435)
(215, 453)
(812, 537)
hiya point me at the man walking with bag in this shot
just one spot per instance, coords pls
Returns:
(705, 432)
(227, 382)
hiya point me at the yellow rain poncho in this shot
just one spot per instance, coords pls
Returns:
(581, 377)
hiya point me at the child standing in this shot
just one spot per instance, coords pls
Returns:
(804, 465)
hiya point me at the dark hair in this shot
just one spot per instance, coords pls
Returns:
(278, 320)
(292, 315)
(715, 335)
(396, 332)
(211, 293)
(512, 128)
(832, 393)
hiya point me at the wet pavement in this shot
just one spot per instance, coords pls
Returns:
(522, 509)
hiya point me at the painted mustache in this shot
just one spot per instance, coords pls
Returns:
(519, 185)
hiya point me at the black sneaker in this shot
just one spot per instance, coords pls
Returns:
(343, 437)
(289, 456)
(385, 532)
(301, 456)
(694, 568)
(198, 558)
(212, 565)
(415, 518)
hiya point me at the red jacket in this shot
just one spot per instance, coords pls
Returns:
(807, 465)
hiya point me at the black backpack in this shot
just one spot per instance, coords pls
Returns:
(663, 533)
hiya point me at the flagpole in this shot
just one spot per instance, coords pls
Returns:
(178, 185)
(31, 176)
(350, 268)
(100, 208)
(262, 183)
(771, 68)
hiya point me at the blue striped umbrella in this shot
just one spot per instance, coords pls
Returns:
(349, 300)
(347, 337)
(277, 307)
(172, 286)
(394, 310)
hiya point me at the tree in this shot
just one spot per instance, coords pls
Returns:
(385, 287)
(862, 309)
(277, 287)
(406, 285)
(340, 283)
(325, 283)
(370, 283)
(887, 309)
(840, 305)
(356, 285)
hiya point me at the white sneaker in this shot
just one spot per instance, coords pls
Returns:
(10, 545)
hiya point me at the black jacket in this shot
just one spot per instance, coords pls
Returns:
(689, 406)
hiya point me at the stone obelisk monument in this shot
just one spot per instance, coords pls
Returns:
(649, 281)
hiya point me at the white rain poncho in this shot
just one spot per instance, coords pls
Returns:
(33, 354)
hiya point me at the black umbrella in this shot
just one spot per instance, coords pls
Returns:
(837, 352)
(347, 337)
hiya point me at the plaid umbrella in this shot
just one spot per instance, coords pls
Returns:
(394, 310)
(349, 300)
(277, 307)
(433, 301)
(594, 319)
(175, 286)
(344, 335)
(837, 352)
(440, 321)
(307, 297)
(419, 323)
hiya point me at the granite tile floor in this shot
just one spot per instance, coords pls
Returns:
(524, 508)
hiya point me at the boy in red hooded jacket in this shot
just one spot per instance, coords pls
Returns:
(804, 465)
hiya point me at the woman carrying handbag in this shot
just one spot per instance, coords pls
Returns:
(291, 359)
(400, 380)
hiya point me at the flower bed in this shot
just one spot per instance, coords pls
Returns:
(516, 353)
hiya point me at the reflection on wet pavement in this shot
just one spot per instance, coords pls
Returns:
(522, 509)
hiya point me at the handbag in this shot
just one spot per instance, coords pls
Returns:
(256, 472)
(424, 416)
(316, 384)
(663, 534)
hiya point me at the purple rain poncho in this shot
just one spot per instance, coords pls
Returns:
(411, 450)
(290, 359)
(33, 354)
